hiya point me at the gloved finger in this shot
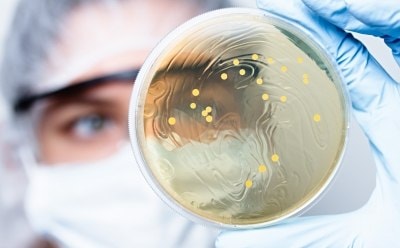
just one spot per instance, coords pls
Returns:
(363, 16)
(374, 94)
(384, 17)
(312, 232)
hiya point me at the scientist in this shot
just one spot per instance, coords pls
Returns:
(67, 67)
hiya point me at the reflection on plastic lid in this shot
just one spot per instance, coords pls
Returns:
(238, 119)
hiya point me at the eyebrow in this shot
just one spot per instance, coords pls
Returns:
(24, 103)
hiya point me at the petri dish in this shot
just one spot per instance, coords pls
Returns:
(238, 119)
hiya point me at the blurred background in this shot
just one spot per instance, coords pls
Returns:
(349, 191)
(6, 10)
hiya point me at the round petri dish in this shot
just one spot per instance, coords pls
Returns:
(238, 119)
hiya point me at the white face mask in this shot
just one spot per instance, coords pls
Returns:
(105, 204)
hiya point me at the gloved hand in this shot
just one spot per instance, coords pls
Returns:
(375, 100)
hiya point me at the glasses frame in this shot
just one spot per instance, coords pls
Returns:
(25, 102)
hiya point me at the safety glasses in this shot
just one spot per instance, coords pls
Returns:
(84, 121)
(25, 102)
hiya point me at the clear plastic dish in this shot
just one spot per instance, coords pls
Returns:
(239, 119)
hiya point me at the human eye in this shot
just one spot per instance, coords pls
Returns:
(89, 126)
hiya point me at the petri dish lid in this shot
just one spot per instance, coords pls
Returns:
(238, 119)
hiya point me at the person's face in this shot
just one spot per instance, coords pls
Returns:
(97, 41)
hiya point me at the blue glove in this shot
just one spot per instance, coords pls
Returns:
(375, 100)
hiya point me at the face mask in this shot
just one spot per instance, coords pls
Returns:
(105, 204)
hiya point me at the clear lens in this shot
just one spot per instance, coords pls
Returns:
(81, 127)
(238, 119)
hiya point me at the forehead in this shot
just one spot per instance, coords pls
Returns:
(104, 38)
